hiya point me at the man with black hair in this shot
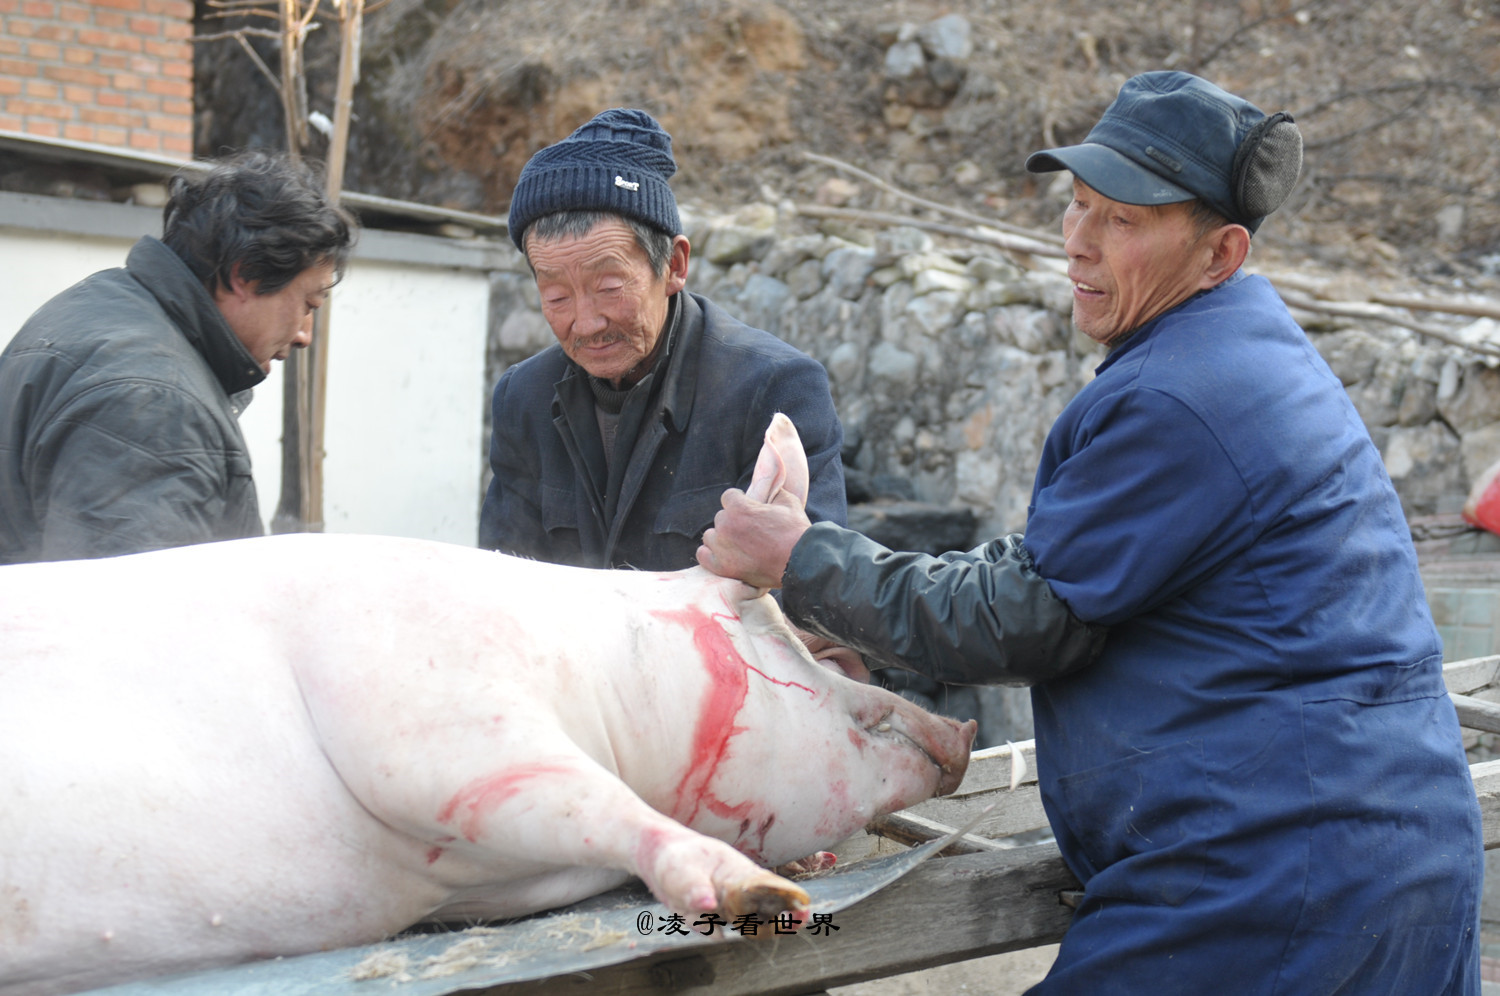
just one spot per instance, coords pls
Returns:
(1244, 743)
(611, 448)
(120, 397)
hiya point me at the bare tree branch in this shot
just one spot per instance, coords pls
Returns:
(933, 205)
(236, 33)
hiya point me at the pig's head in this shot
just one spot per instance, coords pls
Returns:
(788, 755)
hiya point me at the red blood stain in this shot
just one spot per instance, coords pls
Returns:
(482, 796)
(728, 685)
(434, 854)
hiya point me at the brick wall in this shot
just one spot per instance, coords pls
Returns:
(115, 72)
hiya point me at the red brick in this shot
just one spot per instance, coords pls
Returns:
(170, 88)
(9, 122)
(75, 56)
(43, 51)
(73, 13)
(9, 46)
(39, 8)
(146, 67)
(80, 133)
(47, 129)
(41, 91)
(108, 98)
(183, 107)
(170, 50)
(123, 119)
(145, 25)
(180, 30)
(128, 82)
(54, 32)
(113, 60)
(112, 40)
(41, 109)
(17, 67)
(17, 28)
(182, 70)
(140, 102)
(9, 87)
(9, 6)
(75, 74)
(175, 143)
(130, 5)
(145, 140)
(170, 125)
(110, 136)
(80, 94)
(181, 10)
(111, 19)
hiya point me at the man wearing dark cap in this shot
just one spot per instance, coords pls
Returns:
(1244, 744)
(611, 448)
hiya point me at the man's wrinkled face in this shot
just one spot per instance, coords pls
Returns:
(272, 325)
(1128, 262)
(602, 299)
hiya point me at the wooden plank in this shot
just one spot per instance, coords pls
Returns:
(1477, 714)
(1469, 676)
(946, 910)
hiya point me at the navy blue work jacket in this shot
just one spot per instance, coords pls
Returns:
(1261, 781)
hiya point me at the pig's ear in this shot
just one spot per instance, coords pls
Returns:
(782, 464)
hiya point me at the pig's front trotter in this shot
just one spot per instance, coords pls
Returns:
(765, 896)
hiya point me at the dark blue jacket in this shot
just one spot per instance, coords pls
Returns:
(1263, 769)
(723, 382)
(1244, 744)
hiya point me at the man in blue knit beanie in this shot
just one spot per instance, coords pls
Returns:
(611, 448)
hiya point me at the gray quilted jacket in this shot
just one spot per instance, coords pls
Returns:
(119, 401)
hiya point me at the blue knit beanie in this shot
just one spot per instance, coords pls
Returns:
(618, 162)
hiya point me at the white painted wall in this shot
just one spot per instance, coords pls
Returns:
(406, 369)
(405, 405)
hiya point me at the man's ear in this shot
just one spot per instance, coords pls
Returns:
(238, 286)
(1228, 248)
(677, 264)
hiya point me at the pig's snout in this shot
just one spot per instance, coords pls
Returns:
(954, 768)
(946, 742)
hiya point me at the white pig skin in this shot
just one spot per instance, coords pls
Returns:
(281, 745)
(274, 746)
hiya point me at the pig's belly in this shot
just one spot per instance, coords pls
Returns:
(152, 810)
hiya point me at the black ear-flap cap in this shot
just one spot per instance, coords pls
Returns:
(1266, 166)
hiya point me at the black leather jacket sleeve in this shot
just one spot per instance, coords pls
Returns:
(978, 618)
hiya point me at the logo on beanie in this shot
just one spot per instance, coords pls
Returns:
(620, 181)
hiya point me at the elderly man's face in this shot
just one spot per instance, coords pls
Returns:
(1129, 263)
(603, 301)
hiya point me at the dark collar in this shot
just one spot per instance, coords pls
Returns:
(192, 309)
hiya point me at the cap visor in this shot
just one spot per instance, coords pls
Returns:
(1110, 173)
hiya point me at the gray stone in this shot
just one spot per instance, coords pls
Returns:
(902, 240)
(936, 313)
(947, 37)
(893, 366)
(904, 60)
(847, 270)
(730, 244)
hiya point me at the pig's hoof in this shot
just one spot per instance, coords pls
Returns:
(765, 896)
(822, 861)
